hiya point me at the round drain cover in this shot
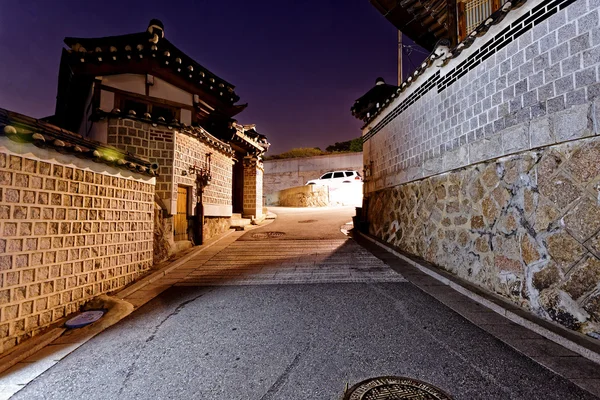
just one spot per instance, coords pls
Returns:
(85, 318)
(394, 388)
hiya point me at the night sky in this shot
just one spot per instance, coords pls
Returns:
(300, 65)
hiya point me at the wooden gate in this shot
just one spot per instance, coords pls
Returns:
(181, 218)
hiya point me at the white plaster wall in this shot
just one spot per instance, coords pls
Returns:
(164, 90)
(128, 82)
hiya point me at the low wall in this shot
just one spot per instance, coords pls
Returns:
(317, 196)
(524, 226)
(301, 196)
(214, 226)
(70, 229)
(287, 173)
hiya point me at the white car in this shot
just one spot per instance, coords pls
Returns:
(336, 178)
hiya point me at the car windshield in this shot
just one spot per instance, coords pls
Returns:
(326, 176)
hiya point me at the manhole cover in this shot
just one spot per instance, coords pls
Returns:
(267, 235)
(307, 221)
(85, 318)
(394, 388)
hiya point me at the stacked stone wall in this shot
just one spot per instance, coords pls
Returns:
(525, 226)
(214, 226)
(68, 232)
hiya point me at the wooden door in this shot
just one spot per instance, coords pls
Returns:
(181, 217)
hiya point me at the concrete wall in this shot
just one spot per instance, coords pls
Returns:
(492, 173)
(283, 174)
(70, 230)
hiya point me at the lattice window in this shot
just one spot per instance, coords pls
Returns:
(471, 13)
(476, 11)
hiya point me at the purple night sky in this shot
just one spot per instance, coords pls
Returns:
(300, 65)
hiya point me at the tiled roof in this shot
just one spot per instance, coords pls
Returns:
(194, 131)
(368, 104)
(442, 56)
(23, 129)
(424, 21)
(150, 45)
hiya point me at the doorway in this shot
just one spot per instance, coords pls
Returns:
(181, 217)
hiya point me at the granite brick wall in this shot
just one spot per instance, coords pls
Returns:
(68, 232)
(530, 89)
(253, 187)
(153, 143)
(190, 151)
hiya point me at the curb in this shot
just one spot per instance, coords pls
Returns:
(168, 268)
(512, 313)
(28, 349)
(56, 335)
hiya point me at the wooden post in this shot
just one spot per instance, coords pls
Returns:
(452, 23)
(496, 4)
(400, 49)
(462, 21)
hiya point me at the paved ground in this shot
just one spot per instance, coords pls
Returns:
(304, 335)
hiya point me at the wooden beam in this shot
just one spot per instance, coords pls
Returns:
(452, 21)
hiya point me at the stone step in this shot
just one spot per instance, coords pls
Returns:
(240, 224)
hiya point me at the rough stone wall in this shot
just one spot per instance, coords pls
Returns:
(163, 235)
(525, 226)
(300, 196)
(287, 173)
(190, 151)
(214, 226)
(533, 92)
(67, 233)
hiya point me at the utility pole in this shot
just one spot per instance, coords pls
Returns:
(400, 79)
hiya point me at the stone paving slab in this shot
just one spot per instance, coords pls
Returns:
(290, 262)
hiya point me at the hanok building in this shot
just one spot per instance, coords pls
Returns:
(485, 160)
(140, 93)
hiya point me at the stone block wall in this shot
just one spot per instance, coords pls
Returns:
(527, 83)
(152, 143)
(70, 229)
(190, 151)
(253, 187)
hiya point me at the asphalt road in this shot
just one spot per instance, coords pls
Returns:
(293, 341)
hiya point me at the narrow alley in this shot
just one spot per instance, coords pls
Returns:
(298, 314)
